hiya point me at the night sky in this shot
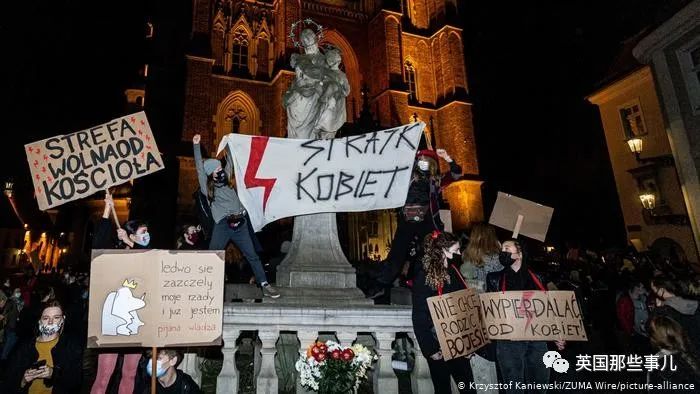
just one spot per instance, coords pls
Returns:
(530, 65)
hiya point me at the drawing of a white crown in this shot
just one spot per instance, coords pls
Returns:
(131, 285)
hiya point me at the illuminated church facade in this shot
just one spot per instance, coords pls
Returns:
(404, 61)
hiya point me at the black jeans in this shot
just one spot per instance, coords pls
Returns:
(459, 369)
(521, 362)
(405, 233)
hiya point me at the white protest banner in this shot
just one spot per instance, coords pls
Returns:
(532, 316)
(282, 177)
(155, 298)
(68, 167)
(521, 216)
(457, 323)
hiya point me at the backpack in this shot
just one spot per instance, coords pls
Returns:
(203, 212)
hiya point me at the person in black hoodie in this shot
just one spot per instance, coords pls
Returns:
(436, 276)
(170, 380)
(134, 235)
(518, 361)
(421, 213)
(49, 362)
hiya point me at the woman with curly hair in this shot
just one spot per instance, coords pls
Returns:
(436, 276)
(675, 350)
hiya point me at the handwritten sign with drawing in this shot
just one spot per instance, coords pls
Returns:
(68, 167)
(155, 298)
(457, 323)
(532, 316)
(283, 177)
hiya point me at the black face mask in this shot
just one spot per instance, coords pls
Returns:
(505, 259)
(220, 178)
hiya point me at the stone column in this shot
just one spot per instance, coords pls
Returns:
(385, 380)
(267, 378)
(420, 376)
(315, 259)
(305, 339)
(346, 338)
(190, 365)
(227, 381)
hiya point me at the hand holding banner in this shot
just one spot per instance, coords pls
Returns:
(68, 167)
(457, 323)
(283, 177)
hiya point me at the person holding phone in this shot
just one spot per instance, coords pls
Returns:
(50, 363)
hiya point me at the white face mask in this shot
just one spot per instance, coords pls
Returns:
(50, 329)
(423, 165)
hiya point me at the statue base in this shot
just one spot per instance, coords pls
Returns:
(316, 270)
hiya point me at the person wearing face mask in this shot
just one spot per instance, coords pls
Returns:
(518, 361)
(421, 213)
(190, 238)
(134, 235)
(229, 214)
(171, 380)
(435, 275)
(51, 362)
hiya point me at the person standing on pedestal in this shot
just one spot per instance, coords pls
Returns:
(229, 214)
(421, 214)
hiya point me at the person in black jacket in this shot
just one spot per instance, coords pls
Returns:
(421, 213)
(50, 361)
(518, 361)
(433, 277)
(170, 379)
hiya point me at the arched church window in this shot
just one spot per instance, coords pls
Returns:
(410, 72)
(236, 116)
(240, 51)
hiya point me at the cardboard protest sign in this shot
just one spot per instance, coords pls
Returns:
(155, 298)
(532, 316)
(283, 177)
(521, 216)
(457, 323)
(68, 167)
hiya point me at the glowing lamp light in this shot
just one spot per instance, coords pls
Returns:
(64, 250)
(635, 145)
(648, 201)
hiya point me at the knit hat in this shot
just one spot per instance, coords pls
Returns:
(210, 165)
(427, 153)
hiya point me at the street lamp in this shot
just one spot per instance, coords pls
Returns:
(9, 186)
(648, 201)
(635, 144)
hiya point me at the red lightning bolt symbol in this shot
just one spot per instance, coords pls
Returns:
(258, 144)
(527, 295)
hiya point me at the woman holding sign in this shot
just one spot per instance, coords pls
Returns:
(435, 277)
(134, 235)
(518, 361)
(229, 214)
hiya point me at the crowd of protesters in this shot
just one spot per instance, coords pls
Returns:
(631, 303)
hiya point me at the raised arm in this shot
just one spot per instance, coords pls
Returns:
(199, 165)
(455, 169)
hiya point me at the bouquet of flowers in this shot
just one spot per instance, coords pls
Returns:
(331, 368)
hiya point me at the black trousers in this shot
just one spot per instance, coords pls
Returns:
(405, 233)
(459, 369)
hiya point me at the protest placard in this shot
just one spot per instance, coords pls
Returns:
(155, 298)
(532, 316)
(457, 323)
(283, 177)
(521, 216)
(68, 167)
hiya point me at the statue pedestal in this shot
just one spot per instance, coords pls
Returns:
(315, 271)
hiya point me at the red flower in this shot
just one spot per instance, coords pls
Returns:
(316, 350)
(335, 355)
(320, 357)
(348, 354)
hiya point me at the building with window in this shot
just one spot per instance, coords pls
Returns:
(407, 56)
(651, 123)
